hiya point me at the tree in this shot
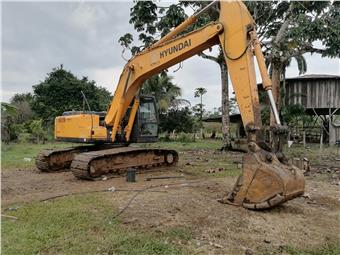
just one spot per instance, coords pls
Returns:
(21, 97)
(164, 90)
(215, 113)
(233, 107)
(199, 92)
(8, 109)
(22, 102)
(8, 113)
(290, 29)
(60, 91)
(180, 120)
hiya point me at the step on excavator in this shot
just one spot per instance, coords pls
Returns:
(267, 178)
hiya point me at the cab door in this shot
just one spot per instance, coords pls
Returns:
(145, 128)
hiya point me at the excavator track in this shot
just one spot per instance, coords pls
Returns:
(52, 160)
(114, 162)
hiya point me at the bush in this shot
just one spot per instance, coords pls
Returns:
(29, 131)
(186, 138)
(178, 137)
(24, 138)
(37, 131)
(180, 120)
(18, 129)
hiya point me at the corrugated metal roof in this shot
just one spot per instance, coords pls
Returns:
(307, 76)
(315, 76)
(234, 118)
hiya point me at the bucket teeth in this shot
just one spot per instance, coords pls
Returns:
(265, 182)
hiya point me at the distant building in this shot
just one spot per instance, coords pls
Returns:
(318, 94)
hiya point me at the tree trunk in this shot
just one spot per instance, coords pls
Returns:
(276, 79)
(283, 94)
(225, 106)
(201, 117)
(225, 97)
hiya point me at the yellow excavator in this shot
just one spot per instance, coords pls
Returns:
(267, 179)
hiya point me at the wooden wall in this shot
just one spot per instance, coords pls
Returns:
(313, 93)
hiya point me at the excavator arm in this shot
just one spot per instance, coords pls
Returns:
(153, 61)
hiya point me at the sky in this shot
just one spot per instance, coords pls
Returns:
(83, 36)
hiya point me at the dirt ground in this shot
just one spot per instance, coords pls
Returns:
(191, 202)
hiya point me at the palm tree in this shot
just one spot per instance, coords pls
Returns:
(164, 90)
(199, 92)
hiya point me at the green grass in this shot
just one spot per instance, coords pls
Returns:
(179, 233)
(329, 249)
(313, 153)
(81, 225)
(13, 155)
(206, 155)
(200, 164)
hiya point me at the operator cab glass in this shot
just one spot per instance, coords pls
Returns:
(145, 128)
(148, 119)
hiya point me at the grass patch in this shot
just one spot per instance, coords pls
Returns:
(201, 171)
(179, 233)
(199, 163)
(201, 155)
(313, 152)
(79, 225)
(329, 249)
(13, 155)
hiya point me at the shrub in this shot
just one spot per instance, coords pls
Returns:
(24, 138)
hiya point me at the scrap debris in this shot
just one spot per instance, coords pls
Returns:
(164, 177)
(9, 216)
(215, 170)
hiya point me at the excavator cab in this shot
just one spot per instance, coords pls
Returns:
(145, 127)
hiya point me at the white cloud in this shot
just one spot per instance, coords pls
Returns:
(106, 77)
(83, 16)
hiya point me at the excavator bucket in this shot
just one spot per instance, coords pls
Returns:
(265, 181)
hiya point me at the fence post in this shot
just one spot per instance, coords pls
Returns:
(321, 143)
